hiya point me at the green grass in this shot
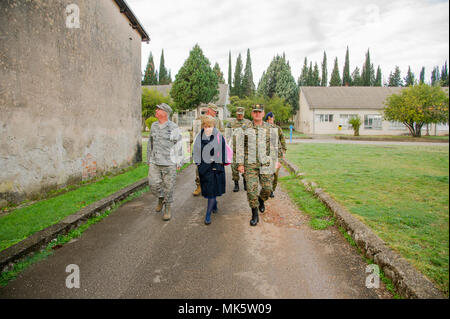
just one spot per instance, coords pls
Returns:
(401, 192)
(394, 137)
(294, 134)
(320, 215)
(23, 222)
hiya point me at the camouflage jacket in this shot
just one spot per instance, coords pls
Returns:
(281, 137)
(161, 144)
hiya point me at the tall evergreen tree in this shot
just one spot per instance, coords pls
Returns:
(163, 73)
(346, 78)
(316, 75)
(335, 77)
(237, 82)
(368, 72)
(378, 78)
(310, 80)
(435, 76)
(278, 80)
(444, 75)
(169, 77)
(356, 77)
(409, 78)
(422, 76)
(248, 86)
(150, 77)
(195, 82)
(303, 78)
(219, 73)
(324, 81)
(395, 78)
(230, 72)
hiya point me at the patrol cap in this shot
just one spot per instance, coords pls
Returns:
(165, 108)
(258, 107)
(213, 107)
(240, 110)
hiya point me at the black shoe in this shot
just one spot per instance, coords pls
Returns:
(272, 195)
(262, 208)
(236, 186)
(245, 185)
(255, 218)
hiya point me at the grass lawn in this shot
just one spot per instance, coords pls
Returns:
(23, 222)
(294, 134)
(404, 137)
(401, 192)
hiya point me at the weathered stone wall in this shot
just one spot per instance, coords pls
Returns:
(70, 98)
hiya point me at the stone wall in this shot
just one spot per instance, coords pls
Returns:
(70, 98)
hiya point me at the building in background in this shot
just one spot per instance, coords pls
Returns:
(70, 93)
(327, 110)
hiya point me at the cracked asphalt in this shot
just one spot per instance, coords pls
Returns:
(133, 253)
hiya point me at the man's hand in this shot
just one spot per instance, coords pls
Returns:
(241, 169)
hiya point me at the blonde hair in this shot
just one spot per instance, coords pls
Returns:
(208, 121)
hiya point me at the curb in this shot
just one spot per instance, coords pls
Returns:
(409, 282)
(39, 240)
(389, 140)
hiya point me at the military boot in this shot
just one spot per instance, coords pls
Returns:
(262, 208)
(160, 204)
(255, 217)
(236, 186)
(245, 185)
(167, 215)
(198, 190)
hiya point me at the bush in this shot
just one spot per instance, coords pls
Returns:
(355, 123)
(150, 121)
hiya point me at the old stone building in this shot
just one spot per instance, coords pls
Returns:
(70, 92)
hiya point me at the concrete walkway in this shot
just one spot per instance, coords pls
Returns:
(134, 254)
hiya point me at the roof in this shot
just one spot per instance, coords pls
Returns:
(165, 90)
(348, 97)
(134, 22)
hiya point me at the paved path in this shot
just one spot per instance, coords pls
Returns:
(337, 141)
(134, 254)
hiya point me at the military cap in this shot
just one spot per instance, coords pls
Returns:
(213, 107)
(270, 114)
(240, 110)
(258, 107)
(165, 108)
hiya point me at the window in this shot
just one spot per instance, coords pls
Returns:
(373, 122)
(324, 118)
(344, 118)
(394, 125)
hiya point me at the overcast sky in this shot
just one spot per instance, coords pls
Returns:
(400, 32)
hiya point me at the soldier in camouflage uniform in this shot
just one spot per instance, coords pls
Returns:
(270, 118)
(242, 123)
(259, 169)
(213, 110)
(163, 158)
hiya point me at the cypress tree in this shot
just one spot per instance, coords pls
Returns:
(356, 77)
(237, 83)
(150, 77)
(422, 76)
(409, 78)
(435, 76)
(324, 80)
(219, 73)
(378, 77)
(316, 76)
(335, 77)
(310, 80)
(444, 75)
(248, 86)
(303, 78)
(229, 72)
(367, 75)
(395, 78)
(163, 74)
(346, 78)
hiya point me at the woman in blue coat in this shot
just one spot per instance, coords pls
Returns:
(210, 157)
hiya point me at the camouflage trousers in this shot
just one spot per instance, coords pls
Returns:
(275, 179)
(161, 180)
(235, 172)
(254, 179)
